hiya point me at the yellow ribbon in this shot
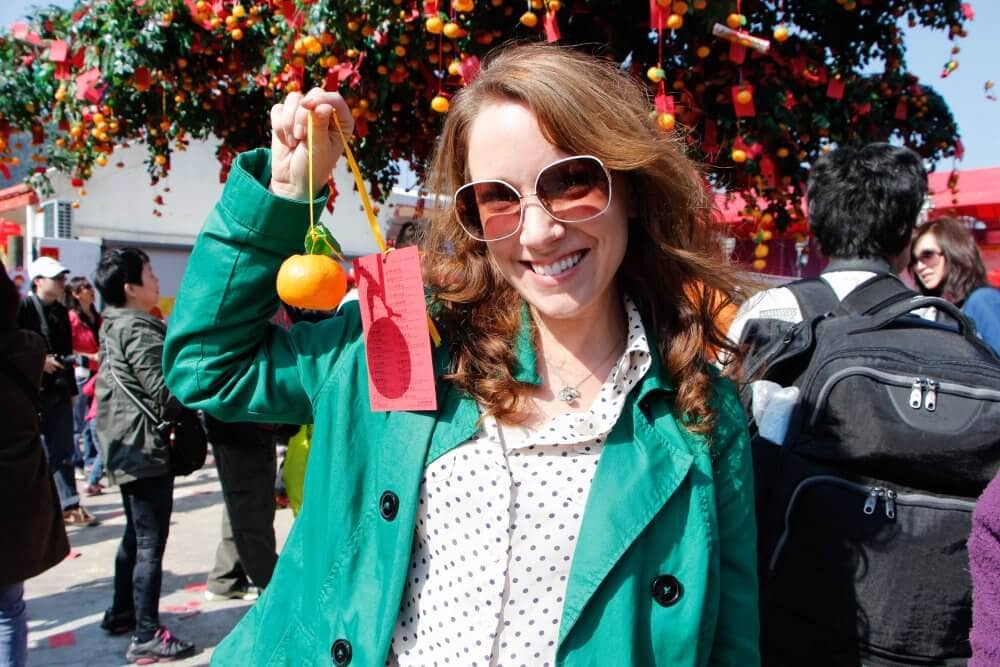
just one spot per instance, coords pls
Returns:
(365, 202)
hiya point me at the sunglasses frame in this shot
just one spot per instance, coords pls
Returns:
(521, 198)
(935, 255)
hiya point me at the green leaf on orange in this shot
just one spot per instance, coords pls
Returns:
(319, 241)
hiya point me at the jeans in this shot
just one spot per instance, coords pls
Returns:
(13, 626)
(92, 453)
(57, 432)
(247, 549)
(80, 408)
(148, 503)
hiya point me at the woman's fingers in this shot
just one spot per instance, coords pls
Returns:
(324, 104)
(289, 115)
(277, 113)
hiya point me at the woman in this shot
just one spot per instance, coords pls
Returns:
(86, 324)
(945, 262)
(36, 532)
(583, 493)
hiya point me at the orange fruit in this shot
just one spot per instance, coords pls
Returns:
(315, 282)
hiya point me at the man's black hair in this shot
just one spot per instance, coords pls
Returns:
(117, 267)
(864, 202)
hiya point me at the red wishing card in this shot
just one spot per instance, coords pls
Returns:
(835, 88)
(397, 340)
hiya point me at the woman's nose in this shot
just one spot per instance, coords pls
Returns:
(538, 226)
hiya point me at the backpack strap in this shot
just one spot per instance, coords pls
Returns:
(815, 297)
(875, 294)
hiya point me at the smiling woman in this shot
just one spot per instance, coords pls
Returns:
(582, 495)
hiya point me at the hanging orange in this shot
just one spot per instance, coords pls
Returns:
(314, 282)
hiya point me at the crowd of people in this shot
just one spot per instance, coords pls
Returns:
(608, 478)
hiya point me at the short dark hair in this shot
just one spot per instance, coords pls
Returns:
(117, 267)
(864, 202)
(965, 269)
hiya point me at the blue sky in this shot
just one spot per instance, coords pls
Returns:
(979, 61)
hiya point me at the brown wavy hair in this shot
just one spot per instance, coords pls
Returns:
(965, 269)
(673, 267)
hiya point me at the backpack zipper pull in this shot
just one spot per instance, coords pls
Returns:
(917, 394)
(890, 504)
(930, 398)
(872, 500)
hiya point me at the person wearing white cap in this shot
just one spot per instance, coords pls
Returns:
(42, 311)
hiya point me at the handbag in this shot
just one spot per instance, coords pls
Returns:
(186, 439)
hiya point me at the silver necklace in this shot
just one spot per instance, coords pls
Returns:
(571, 392)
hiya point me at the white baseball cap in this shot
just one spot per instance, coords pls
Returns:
(46, 267)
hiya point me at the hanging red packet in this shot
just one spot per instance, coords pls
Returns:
(397, 338)
(835, 88)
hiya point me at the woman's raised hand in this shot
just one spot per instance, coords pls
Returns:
(289, 148)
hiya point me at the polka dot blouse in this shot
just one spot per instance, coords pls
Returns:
(496, 529)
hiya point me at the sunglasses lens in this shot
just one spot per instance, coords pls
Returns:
(488, 210)
(576, 189)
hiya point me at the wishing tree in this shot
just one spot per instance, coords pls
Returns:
(759, 87)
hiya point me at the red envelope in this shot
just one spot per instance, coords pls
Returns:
(397, 338)
(835, 88)
(743, 110)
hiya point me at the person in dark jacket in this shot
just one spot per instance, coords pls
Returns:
(43, 312)
(136, 456)
(39, 538)
(246, 555)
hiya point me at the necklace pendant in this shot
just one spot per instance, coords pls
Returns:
(568, 394)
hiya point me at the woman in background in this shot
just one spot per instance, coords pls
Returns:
(945, 262)
(86, 324)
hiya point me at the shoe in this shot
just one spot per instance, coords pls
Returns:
(81, 474)
(246, 593)
(92, 490)
(79, 517)
(118, 623)
(163, 647)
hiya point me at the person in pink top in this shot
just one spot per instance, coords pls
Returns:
(86, 325)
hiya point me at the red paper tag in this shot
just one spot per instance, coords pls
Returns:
(835, 88)
(397, 340)
(664, 103)
(737, 53)
(470, 68)
(746, 110)
(58, 51)
(901, 110)
(552, 33)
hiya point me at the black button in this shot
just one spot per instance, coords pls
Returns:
(388, 505)
(666, 590)
(341, 652)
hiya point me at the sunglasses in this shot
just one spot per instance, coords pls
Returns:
(929, 257)
(573, 189)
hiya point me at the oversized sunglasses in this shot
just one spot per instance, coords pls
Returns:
(929, 257)
(573, 189)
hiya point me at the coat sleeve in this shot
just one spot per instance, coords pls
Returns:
(737, 634)
(142, 347)
(222, 353)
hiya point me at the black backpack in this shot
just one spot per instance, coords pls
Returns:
(864, 509)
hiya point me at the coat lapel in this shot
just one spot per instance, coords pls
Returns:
(639, 470)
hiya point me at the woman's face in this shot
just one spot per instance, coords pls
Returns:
(85, 295)
(930, 266)
(564, 271)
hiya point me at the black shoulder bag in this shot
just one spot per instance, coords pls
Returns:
(185, 435)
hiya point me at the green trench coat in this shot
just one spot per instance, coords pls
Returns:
(664, 569)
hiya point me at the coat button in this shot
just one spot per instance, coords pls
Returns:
(341, 652)
(666, 590)
(388, 505)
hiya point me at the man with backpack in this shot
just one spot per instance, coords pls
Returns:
(874, 432)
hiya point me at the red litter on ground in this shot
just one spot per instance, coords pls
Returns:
(73, 553)
(62, 639)
(194, 588)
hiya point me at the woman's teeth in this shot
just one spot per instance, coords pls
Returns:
(561, 266)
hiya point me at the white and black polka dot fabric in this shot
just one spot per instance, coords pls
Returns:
(496, 529)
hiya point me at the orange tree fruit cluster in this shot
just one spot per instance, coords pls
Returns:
(160, 72)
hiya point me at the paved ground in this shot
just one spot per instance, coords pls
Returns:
(66, 603)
